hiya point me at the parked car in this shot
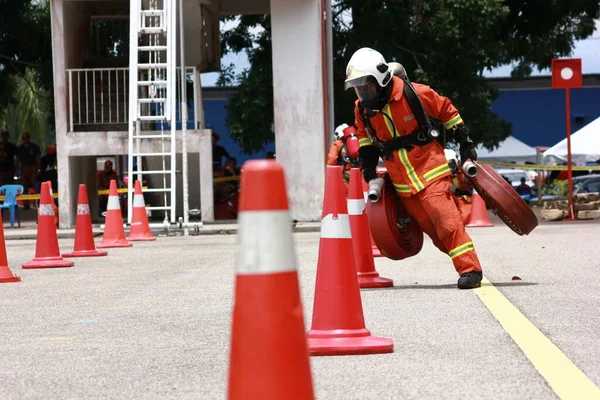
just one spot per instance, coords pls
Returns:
(586, 184)
(515, 175)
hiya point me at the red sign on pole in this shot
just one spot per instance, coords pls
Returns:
(566, 74)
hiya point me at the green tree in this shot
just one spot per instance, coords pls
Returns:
(444, 44)
(26, 102)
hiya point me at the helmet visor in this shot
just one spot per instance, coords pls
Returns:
(367, 93)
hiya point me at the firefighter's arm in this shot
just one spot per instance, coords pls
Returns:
(333, 154)
(367, 151)
(441, 107)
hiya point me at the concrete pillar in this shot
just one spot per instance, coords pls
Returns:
(60, 111)
(299, 102)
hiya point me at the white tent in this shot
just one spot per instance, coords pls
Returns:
(510, 150)
(585, 146)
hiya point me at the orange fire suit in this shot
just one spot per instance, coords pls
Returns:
(421, 176)
(336, 157)
(459, 187)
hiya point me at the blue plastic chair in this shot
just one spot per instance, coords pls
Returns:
(10, 202)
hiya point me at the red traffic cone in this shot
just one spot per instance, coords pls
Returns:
(338, 325)
(269, 358)
(114, 233)
(479, 215)
(84, 235)
(140, 229)
(368, 277)
(54, 207)
(47, 253)
(374, 248)
(6, 274)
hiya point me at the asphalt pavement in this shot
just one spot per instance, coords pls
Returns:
(153, 321)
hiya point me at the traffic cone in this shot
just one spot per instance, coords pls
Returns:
(338, 325)
(374, 248)
(47, 253)
(140, 229)
(268, 358)
(54, 207)
(368, 277)
(114, 233)
(6, 274)
(84, 235)
(479, 215)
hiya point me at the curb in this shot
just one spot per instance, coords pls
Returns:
(160, 233)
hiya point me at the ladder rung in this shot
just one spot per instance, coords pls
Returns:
(158, 207)
(156, 172)
(151, 136)
(152, 118)
(150, 154)
(152, 13)
(148, 83)
(154, 100)
(153, 65)
(152, 48)
(157, 29)
(157, 190)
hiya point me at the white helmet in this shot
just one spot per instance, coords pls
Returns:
(450, 155)
(364, 65)
(339, 131)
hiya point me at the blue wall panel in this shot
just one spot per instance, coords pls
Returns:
(538, 116)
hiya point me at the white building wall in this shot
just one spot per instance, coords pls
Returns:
(298, 84)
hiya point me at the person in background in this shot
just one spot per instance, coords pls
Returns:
(104, 179)
(7, 159)
(523, 188)
(218, 152)
(28, 164)
(48, 168)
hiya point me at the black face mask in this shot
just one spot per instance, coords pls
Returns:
(374, 100)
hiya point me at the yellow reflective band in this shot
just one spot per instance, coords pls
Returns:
(454, 121)
(460, 250)
(402, 188)
(437, 171)
(365, 142)
(410, 170)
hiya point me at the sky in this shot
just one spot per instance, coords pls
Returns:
(588, 50)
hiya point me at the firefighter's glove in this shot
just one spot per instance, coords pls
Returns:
(392, 146)
(466, 145)
(369, 174)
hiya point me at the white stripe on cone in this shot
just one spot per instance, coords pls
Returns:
(138, 200)
(83, 209)
(356, 207)
(265, 242)
(113, 203)
(336, 228)
(46, 210)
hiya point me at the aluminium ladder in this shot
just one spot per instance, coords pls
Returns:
(152, 97)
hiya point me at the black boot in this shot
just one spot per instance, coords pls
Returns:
(470, 280)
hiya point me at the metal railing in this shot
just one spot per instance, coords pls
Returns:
(99, 99)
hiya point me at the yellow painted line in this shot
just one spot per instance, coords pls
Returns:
(565, 379)
(57, 338)
(112, 308)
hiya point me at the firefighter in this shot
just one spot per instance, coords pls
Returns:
(460, 187)
(338, 153)
(387, 126)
